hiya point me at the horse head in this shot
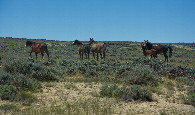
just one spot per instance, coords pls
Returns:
(143, 47)
(28, 43)
(76, 42)
(148, 44)
(91, 41)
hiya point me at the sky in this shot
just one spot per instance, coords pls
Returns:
(159, 21)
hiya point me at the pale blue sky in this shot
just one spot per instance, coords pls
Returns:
(104, 20)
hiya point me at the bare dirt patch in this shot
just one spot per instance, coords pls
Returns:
(183, 47)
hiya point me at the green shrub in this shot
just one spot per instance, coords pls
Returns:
(111, 91)
(71, 71)
(133, 92)
(9, 107)
(49, 62)
(82, 69)
(18, 67)
(136, 92)
(181, 71)
(156, 65)
(20, 81)
(7, 92)
(44, 74)
(138, 74)
(31, 70)
(91, 74)
(191, 95)
(25, 97)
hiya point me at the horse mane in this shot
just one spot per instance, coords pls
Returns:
(30, 42)
(78, 42)
(92, 40)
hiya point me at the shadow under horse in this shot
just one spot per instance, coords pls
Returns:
(83, 49)
(37, 48)
(98, 48)
(160, 49)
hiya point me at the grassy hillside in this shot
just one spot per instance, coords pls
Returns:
(125, 83)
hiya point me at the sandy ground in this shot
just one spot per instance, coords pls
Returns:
(83, 91)
(183, 47)
(59, 92)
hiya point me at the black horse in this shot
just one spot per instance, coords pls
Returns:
(83, 49)
(160, 49)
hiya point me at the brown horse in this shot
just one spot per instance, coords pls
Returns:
(37, 48)
(98, 48)
(152, 52)
(160, 49)
(83, 49)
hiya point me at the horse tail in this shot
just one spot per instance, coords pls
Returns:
(104, 47)
(46, 47)
(88, 48)
(170, 51)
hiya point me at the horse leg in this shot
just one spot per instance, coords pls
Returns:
(42, 55)
(155, 56)
(93, 55)
(82, 55)
(47, 53)
(30, 54)
(86, 55)
(97, 56)
(151, 56)
(101, 55)
(104, 55)
(166, 57)
(36, 55)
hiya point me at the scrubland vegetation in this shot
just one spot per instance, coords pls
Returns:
(119, 85)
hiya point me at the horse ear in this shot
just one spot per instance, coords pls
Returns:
(147, 40)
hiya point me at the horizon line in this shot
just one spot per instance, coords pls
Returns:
(84, 40)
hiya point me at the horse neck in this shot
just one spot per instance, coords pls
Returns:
(93, 43)
(149, 46)
(31, 43)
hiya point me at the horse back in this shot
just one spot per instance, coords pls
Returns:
(99, 47)
(161, 48)
(84, 48)
(149, 52)
(38, 47)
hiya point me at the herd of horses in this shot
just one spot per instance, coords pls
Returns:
(100, 48)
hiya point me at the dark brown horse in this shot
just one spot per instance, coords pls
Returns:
(37, 48)
(83, 49)
(98, 48)
(160, 49)
(151, 52)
